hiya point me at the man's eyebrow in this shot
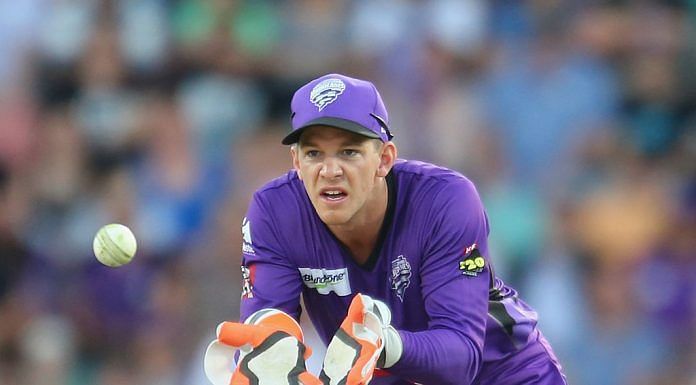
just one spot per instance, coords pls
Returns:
(307, 143)
(354, 141)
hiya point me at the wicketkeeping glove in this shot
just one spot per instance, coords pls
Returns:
(272, 352)
(364, 341)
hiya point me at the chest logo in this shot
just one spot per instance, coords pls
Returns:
(401, 276)
(326, 280)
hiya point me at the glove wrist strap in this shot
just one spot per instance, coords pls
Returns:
(393, 348)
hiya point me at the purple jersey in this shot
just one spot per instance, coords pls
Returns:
(459, 324)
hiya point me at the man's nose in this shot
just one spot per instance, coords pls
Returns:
(331, 168)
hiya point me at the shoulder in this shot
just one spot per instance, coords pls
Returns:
(282, 203)
(277, 211)
(276, 193)
(438, 198)
(439, 184)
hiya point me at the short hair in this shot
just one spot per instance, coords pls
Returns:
(377, 143)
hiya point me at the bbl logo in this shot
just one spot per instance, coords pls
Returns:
(326, 92)
(401, 276)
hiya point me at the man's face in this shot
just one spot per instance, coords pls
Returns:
(340, 171)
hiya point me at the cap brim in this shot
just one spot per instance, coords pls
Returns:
(343, 124)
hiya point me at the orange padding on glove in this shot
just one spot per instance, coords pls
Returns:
(272, 351)
(356, 315)
(237, 334)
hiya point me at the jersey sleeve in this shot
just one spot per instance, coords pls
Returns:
(270, 279)
(454, 282)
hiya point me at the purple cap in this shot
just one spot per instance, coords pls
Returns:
(342, 102)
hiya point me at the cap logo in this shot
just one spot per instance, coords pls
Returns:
(326, 92)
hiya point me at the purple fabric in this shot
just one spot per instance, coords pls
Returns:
(457, 326)
(339, 101)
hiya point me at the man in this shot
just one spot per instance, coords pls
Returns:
(390, 256)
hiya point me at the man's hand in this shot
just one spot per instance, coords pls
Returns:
(364, 341)
(272, 352)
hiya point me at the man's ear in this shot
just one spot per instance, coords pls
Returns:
(295, 159)
(387, 158)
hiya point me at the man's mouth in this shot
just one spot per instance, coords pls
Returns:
(333, 195)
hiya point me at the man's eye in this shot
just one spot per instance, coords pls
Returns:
(312, 153)
(350, 152)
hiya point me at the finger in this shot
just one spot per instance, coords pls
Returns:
(381, 310)
(361, 323)
(356, 311)
(307, 352)
(218, 363)
(238, 335)
(239, 379)
(308, 378)
(278, 320)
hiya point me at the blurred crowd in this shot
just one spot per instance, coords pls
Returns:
(575, 119)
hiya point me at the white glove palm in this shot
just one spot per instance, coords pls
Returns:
(272, 352)
(364, 341)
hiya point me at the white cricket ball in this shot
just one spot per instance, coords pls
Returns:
(114, 245)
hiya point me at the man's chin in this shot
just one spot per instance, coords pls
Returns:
(333, 217)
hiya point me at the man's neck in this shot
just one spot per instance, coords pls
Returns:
(360, 236)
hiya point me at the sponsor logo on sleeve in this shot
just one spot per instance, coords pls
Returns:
(326, 280)
(401, 276)
(247, 282)
(246, 237)
(473, 263)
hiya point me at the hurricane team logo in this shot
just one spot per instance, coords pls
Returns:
(326, 92)
(401, 276)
